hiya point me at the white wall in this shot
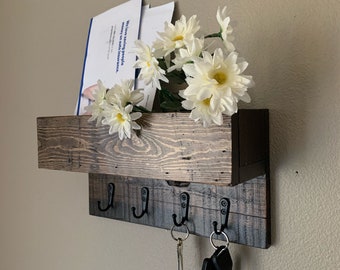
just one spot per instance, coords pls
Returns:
(294, 54)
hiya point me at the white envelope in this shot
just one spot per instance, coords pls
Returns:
(109, 48)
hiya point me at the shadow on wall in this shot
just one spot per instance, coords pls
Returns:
(295, 73)
(292, 60)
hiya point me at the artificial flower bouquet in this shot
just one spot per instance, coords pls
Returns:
(214, 81)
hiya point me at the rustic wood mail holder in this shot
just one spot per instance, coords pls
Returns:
(169, 157)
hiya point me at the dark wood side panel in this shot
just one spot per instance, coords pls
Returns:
(252, 144)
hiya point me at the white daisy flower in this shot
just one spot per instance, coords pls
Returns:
(202, 111)
(124, 94)
(175, 36)
(97, 106)
(225, 29)
(184, 55)
(121, 120)
(219, 79)
(150, 71)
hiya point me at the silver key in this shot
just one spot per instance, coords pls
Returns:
(180, 246)
(180, 254)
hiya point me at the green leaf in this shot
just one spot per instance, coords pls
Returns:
(171, 106)
(140, 109)
(170, 101)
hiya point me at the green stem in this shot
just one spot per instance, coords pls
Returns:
(213, 35)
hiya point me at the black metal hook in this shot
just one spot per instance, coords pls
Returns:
(225, 208)
(145, 203)
(110, 195)
(184, 198)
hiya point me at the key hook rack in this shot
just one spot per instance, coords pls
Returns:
(224, 172)
(184, 205)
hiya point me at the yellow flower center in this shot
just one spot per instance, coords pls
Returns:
(221, 77)
(206, 102)
(120, 118)
(178, 38)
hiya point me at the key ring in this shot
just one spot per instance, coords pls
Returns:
(212, 242)
(185, 237)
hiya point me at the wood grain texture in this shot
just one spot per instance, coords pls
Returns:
(170, 146)
(249, 219)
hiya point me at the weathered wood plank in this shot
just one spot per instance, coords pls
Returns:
(170, 146)
(249, 219)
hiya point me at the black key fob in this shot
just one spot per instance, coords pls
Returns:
(207, 264)
(221, 259)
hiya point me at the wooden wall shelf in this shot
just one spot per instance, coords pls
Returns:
(171, 155)
(170, 146)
